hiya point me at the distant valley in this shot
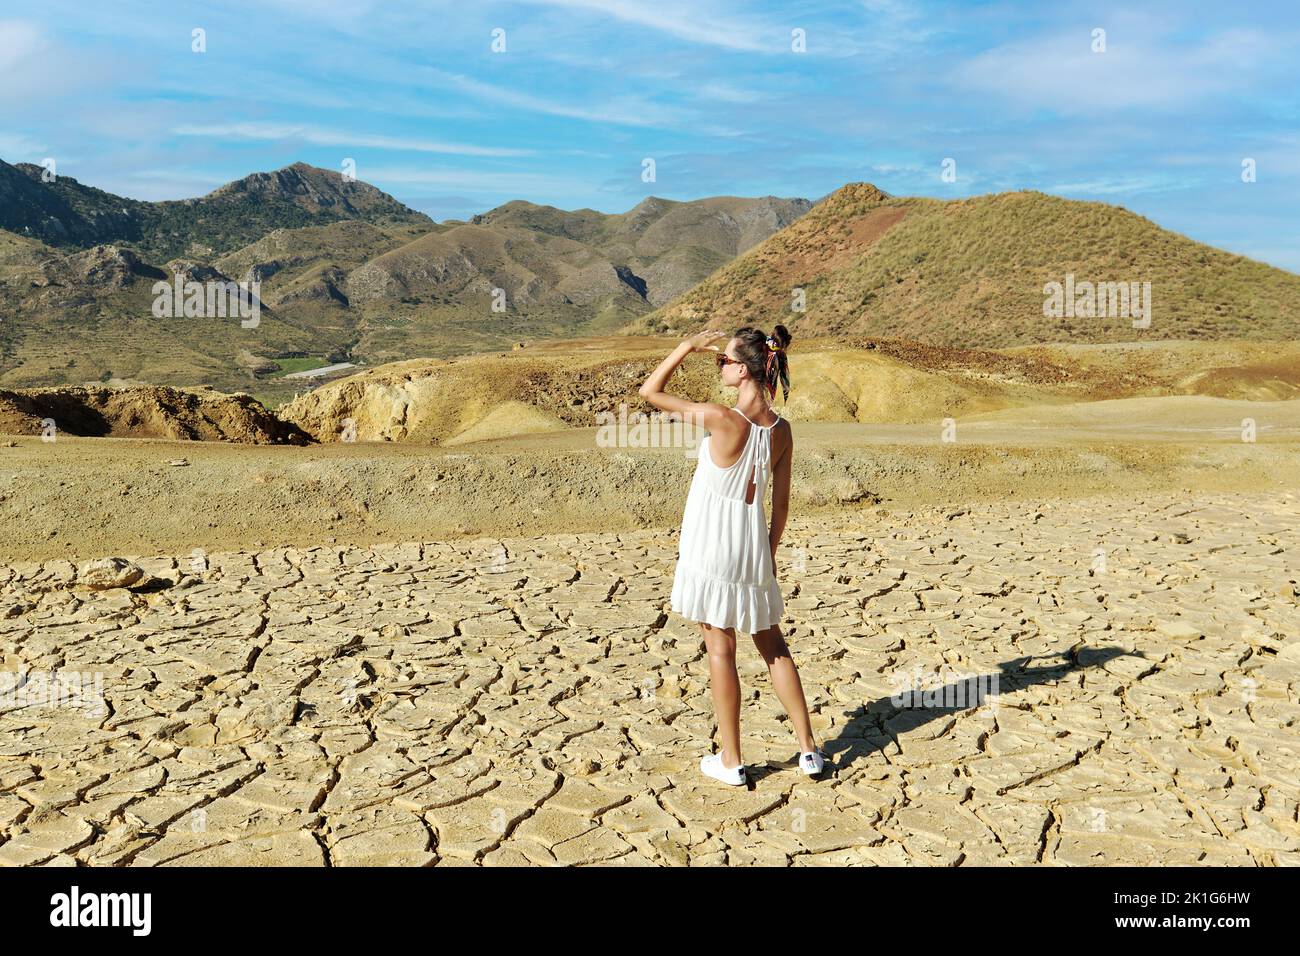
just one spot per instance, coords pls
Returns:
(346, 273)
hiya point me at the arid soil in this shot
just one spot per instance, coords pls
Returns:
(455, 647)
(81, 498)
(1091, 682)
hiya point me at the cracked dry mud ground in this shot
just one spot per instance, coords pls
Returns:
(533, 701)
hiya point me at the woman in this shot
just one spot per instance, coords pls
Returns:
(726, 568)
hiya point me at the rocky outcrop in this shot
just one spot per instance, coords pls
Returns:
(101, 267)
(142, 411)
(191, 271)
(61, 211)
(324, 286)
(104, 574)
(317, 191)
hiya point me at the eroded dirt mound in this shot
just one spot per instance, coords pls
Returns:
(551, 386)
(143, 411)
(488, 396)
(572, 384)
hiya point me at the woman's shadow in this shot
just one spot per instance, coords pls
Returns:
(872, 725)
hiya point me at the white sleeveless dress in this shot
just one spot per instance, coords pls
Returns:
(724, 574)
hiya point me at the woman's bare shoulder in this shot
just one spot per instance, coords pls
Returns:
(782, 436)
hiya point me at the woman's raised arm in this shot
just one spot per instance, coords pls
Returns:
(708, 415)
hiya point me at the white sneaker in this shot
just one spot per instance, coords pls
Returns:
(711, 766)
(813, 762)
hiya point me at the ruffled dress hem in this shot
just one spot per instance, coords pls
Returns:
(710, 600)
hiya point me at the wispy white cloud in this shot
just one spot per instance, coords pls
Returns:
(624, 111)
(516, 183)
(889, 88)
(1139, 68)
(1119, 186)
(897, 26)
(693, 21)
(341, 11)
(19, 148)
(160, 183)
(320, 136)
(36, 69)
(19, 42)
(727, 93)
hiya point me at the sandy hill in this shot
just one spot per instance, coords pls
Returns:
(972, 272)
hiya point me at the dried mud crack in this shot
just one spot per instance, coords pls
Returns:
(531, 701)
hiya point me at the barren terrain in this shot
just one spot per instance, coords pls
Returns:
(1128, 667)
(454, 646)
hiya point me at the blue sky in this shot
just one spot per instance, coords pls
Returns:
(585, 90)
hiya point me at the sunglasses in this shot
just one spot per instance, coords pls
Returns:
(723, 360)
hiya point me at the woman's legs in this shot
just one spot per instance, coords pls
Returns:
(785, 678)
(724, 682)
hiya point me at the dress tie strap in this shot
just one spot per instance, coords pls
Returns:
(764, 464)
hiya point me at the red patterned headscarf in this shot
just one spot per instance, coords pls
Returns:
(777, 368)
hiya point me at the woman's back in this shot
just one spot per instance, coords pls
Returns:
(725, 574)
(746, 477)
